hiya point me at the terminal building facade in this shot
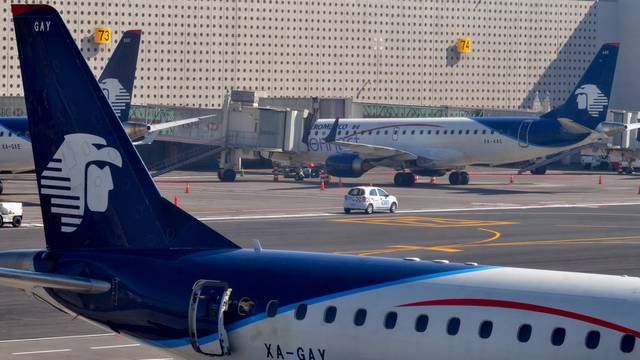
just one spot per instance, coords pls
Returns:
(525, 54)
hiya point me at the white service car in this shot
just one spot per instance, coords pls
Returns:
(11, 213)
(369, 199)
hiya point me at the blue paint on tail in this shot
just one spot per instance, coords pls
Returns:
(95, 192)
(118, 76)
(588, 103)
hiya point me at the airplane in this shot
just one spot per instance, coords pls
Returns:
(121, 256)
(434, 146)
(116, 81)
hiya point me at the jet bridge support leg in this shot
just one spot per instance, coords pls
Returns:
(226, 170)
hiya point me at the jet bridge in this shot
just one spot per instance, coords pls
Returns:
(251, 129)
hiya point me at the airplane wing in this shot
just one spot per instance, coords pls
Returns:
(24, 279)
(367, 151)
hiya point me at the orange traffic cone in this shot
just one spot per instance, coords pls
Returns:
(600, 181)
(187, 189)
(322, 186)
(512, 179)
(176, 201)
(433, 180)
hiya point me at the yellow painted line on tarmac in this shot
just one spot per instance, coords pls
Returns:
(491, 242)
(558, 242)
(441, 248)
(424, 221)
(601, 226)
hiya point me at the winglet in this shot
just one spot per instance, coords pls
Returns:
(332, 134)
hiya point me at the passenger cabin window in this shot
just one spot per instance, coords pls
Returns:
(301, 311)
(390, 320)
(404, 132)
(444, 132)
(1, 133)
(524, 333)
(370, 132)
(422, 132)
(467, 132)
(360, 317)
(437, 132)
(272, 308)
(627, 343)
(484, 132)
(413, 132)
(486, 328)
(386, 132)
(373, 192)
(453, 326)
(475, 132)
(316, 132)
(422, 322)
(378, 132)
(330, 314)
(557, 336)
(459, 132)
(339, 132)
(492, 132)
(593, 339)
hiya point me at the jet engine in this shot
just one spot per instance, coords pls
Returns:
(347, 165)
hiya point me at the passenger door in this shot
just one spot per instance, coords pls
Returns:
(375, 199)
(384, 198)
(523, 133)
(209, 301)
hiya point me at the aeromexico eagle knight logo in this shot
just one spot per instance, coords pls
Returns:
(79, 178)
(590, 98)
(116, 94)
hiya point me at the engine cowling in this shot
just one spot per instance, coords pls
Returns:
(347, 165)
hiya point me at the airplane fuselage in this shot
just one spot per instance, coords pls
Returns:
(449, 143)
(15, 145)
(347, 307)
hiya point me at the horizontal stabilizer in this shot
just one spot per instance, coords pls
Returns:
(24, 279)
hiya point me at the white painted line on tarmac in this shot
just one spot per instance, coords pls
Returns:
(418, 211)
(41, 352)
(113, 346)
(57, 338)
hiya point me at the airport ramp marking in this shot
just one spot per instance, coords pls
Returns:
(424, 221)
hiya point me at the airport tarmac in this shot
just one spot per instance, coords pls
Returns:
(561, 221)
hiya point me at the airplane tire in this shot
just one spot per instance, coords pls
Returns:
(397, 179)
(454, 178)
(539, 170)
(464, 178)
(404, 179)
(1, 187)
(347, 211)
(369, 209)
(227, 175)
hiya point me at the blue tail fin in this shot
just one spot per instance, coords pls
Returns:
(95, 192)
(589, 101)
(118, 76)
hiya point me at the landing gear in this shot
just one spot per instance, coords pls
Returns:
(1, 188)
(459, 178)
(404, 179)
(539, 170)
(227, 175)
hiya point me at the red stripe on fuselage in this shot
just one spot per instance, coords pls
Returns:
(527, 307)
